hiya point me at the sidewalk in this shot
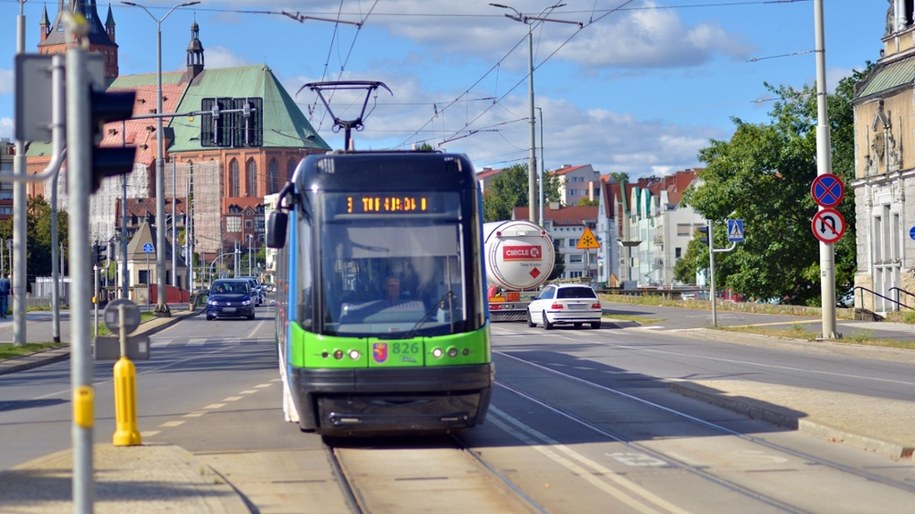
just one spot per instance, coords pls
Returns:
(165, 478)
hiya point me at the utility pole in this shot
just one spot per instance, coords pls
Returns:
(20, 235)
(532, 196)
(824, 166)
(161, 306)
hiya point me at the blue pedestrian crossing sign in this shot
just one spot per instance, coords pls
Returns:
(735, 230)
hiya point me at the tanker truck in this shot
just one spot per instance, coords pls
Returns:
(519, 258)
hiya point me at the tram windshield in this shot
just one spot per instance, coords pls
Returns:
(395, 275)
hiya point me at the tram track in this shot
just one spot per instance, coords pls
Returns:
(440, 473)
(703, 471)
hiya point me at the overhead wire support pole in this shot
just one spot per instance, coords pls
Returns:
(533, 210)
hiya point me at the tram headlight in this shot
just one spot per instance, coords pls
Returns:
(437, 353)
(452, 352)
(338, 354)
(354, 354)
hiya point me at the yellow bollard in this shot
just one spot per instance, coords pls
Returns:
(125, 403)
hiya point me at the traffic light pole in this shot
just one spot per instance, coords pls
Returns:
(79, 173)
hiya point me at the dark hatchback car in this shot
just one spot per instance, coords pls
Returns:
(230, 298)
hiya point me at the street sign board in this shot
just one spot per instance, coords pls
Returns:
(35, 93)
(148, 248)
(828, 225)
(735, 230)
(587, 241)
(131, 316)
(108, 348)
(827, 190)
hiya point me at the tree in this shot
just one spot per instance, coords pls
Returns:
(38, 228)
(508, 190)
(763, 175)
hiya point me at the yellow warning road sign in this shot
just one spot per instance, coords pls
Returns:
(587, 241)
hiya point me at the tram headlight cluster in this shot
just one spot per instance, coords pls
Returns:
(451, 352)
(338, 354)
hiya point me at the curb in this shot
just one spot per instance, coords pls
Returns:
(788, 418)
(35, 360)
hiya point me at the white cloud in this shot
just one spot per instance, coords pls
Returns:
(6, 82)
(221, 57)
(6, 128)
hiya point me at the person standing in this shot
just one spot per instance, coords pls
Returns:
(4, 295)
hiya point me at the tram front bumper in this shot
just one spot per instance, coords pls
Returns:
(352, 402)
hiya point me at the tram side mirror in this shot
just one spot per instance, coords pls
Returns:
(276, 229)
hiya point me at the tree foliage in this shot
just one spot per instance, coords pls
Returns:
(38, 229)
(508, 190)
(763, 175)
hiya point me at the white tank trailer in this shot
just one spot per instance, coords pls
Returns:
(519, 258)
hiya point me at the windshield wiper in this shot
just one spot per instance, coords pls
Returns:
(439, 304)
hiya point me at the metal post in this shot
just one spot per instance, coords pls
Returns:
(711, 270)
(175, 225)
(58, 138)
(161, 306)
(78, 160)
(125, 272)
(95, 298)
(532, 157)
(20, 212)
(541, 176)
(824, 164)
(250, 237)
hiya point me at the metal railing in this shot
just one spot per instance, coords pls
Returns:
(875, 294)
(899, 290)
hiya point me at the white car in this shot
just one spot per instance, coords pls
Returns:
(565, 303)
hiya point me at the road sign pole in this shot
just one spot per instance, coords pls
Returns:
(824, 164)
(711, 271)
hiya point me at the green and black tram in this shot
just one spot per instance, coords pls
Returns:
(382, 325)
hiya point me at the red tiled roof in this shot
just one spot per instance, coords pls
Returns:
(567, 169)
(142, 133)
(562, 216)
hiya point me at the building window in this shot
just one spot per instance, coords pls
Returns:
(233, 223)
(273, 177)
(575, 259)
(573, 243)
(678, 252)
(233, 178)
(684, 229)
(251, 178)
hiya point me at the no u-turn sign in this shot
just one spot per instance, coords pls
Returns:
(828, 225)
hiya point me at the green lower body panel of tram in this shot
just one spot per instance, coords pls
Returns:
(353, 386)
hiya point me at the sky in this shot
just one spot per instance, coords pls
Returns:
(640, 87)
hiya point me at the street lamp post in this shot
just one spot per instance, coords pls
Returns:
(161, 306)
(250, 239)
(532, 196)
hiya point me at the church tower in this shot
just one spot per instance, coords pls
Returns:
(194, 53)
(101, 36)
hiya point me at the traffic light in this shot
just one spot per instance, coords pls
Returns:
(99, 254)
(703, 235)
(109, 161)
